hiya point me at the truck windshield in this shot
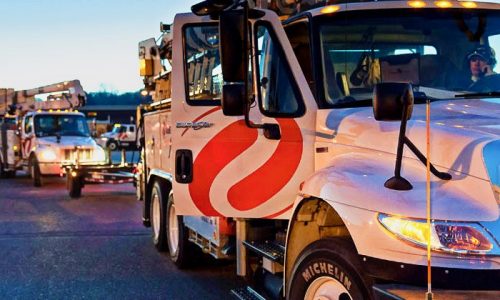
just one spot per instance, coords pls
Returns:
(118, 129)
(436, 50)
(63, 125)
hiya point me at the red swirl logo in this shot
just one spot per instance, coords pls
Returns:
(259, 186)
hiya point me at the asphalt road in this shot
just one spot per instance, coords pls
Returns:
(95, 247)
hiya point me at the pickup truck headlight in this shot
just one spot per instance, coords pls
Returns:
(452, 237)
(48, 154)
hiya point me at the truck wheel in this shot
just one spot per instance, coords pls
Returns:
(328, 269)
(179, 247)
(158, 218)
(3, 174)
(74, 186)
(112, 145)
(35, 172)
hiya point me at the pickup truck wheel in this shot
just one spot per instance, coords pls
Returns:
(35, 172)
(112, 145)
(158, 218)
(328, 269)
(74, 186)
(179, 247)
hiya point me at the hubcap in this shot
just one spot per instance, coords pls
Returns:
(173, 230)
(156, 216)
(327, 288)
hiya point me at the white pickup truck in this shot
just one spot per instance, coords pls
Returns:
(122, 136)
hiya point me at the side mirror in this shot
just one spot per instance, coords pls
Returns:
(233, 99)
(390, 99)
(233, 45)
(393, 101)
(210, 7)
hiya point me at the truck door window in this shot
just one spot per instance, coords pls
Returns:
(298, 35)
(494, 42)
(276, 85)
(202, 65)
(28, 125)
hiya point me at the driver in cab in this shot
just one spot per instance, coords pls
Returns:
(481, 62)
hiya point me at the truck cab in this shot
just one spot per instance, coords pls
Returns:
(50, 138)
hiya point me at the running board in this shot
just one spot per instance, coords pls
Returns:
(267, 249)
(246, 293)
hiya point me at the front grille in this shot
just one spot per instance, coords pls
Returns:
(81, 155)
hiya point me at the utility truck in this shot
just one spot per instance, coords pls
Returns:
(340, 152)
(42, 129)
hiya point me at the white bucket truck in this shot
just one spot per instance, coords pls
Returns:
(42, 129)
(296, 147)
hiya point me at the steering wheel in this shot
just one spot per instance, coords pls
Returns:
(490, 83)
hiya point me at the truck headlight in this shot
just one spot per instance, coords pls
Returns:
(99, 154)
(453, 237)
(48, 155)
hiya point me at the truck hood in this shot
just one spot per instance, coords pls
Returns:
(460, 132)
(67, 141)
(108, 134)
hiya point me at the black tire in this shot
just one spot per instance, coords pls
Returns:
(330, 261)
(113, 145)
(35, 173)
(74, 186)
(157, 213)
(181, 251)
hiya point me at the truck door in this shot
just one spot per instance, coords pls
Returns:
(223, 167)
(27, 136)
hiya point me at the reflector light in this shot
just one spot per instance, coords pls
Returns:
(462, 238)
(417, 4)
(468, 4)
(443, 4)
(330, 9)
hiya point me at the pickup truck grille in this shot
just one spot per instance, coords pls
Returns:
(82, 154)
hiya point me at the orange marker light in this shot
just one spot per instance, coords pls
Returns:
(469, 4)
(417, 4)
(330, 9)
(443, 4)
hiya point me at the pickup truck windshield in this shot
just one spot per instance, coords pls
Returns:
(119, 129)
(443, 53)
(63, 125)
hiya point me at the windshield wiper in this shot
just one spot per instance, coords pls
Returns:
(482, 94)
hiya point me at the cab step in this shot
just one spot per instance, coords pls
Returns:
(270, 250)
(246, 293)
